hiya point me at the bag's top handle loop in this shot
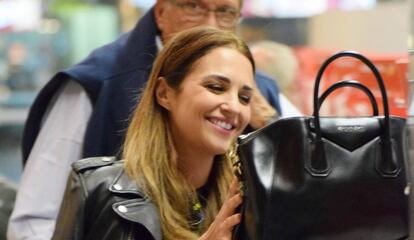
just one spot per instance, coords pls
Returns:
(350, 83)
(377, 76)
(387, 166)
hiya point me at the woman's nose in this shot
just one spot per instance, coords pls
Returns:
(231, 105)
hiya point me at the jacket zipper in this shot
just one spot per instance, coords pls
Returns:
(130, 233)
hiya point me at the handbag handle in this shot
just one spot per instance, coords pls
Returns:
(319, 165)
(350, 83)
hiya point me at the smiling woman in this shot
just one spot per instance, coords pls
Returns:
(175, 182)
(219, 108)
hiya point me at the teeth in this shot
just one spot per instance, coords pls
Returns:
(222, 124)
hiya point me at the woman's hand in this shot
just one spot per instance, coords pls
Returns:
(222, 226)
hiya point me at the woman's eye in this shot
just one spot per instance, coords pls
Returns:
(217, 88)
(244, 99)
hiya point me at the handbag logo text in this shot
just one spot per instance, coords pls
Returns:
(350, 128)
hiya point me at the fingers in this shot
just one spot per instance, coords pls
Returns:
(226, 219)
(229, 206)
(234, 188)
(223, 224)
(234, 199)
(232, 221)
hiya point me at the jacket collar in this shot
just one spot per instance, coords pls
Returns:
(124, 185)
(138, 208)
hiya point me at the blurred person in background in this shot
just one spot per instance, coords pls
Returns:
(279, 61)
(176, 181)
(83, 111)
(7, 196)
(19, 77)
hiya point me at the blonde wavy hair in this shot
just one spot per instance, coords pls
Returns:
(149, 152)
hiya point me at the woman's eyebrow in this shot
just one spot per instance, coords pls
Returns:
(227, 80)
(219, 77)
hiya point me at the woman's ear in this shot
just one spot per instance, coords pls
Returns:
(163, 93)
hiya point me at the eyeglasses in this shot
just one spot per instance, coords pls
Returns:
(226, 17)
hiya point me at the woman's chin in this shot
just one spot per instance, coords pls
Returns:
(222, 149)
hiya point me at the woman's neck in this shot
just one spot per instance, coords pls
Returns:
(196, 168)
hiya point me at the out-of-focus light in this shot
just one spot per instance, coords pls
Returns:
(356, 4)
(144, 4)
(20, 15)
(301, 8)
(6, 16)
(283, 8)
(49, 26)
(410, 42)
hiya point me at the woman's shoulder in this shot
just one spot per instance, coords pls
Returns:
(108, 186)
(94, 163)
(105, 173)
(96, 171)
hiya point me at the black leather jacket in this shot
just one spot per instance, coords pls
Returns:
(101, 202)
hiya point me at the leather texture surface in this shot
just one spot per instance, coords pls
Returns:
(320, 178)
(102, 202)
(284, 201)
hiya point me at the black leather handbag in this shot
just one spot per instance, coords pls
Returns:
(319, 178)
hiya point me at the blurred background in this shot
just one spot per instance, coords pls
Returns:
(290, 40)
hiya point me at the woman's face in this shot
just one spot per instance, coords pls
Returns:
(212, 105)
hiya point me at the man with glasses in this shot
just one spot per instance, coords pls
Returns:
(83, 111)
(193, 13)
